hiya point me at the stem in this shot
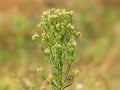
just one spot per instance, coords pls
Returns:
(60, 74)
(60, 70)
(66, 72)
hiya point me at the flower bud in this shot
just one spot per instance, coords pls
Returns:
(40, 69)
(57, 10)
(78, 34)
(47, 51)
(50, 77)
(76, 72)
(57, 45)
(73, 42)
(71, 26)
(35, 36)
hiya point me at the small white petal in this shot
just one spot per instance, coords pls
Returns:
(79, 86)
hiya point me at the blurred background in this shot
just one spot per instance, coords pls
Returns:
(98, 52)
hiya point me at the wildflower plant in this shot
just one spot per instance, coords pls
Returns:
(58, 42)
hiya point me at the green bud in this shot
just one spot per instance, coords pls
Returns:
(73, 42)
(76, 73)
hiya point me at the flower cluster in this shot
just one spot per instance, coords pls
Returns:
(58, 41)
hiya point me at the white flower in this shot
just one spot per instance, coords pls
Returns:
(35, 36)
(57, 10)
(71, 26)
(54, 16)
(57, 25)
(79, 86)
(57, 45)
(78, 33)
(47, 50)
(40, 69)
(73, 42)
